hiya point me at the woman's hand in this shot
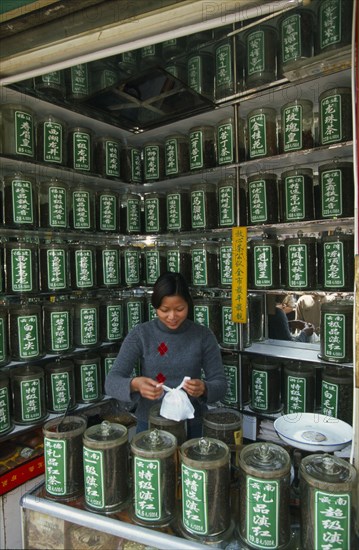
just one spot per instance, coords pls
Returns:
(148, 388)
(195, 387)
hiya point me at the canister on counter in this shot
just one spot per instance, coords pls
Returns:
(266, 376)
(204, 206)
(178, 209)
(205, 473)
(20, 201)
(336, 190)
(297, 123)
(54, 267)
(202, 147)
(51, 134)
(28, 390)
(80, 142)
(107, 208)
(106, 471)
(299, 387)
(327, 484)
(51, 84)
(86, 323)
(108, 357)
(82, 213)
(334, 30)
(63, 457)
(107, 157)
(337, 393)
(176, 155)
(18, 131)
(262, 133)
(154, 455)
(264, 487)
(88, 378)
(335, 116)
(77, 80)
(206, 312)
(21, 267)
(6, 423)
(336, 331)
(60, 385)
(82, 266)
(264, 262)
(300, 263)
(108, 266)
(57, 327)
(297, 195)
(178, 428)
(223, 424)
(336, 261)
(155, 212)
(262, 199)
(204, 264)
(153, 161)
(54, 198)
(261, 61)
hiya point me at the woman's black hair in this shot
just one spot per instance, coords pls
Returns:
(170, 284)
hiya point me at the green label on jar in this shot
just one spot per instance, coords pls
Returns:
(28, 330)
(174, 211)
(294, 198)
(263, 266)
(21, 270)
(79, 80)
(52, 142)
(152, 313)
(57, 207)
(230, 334)
(262, 511)
(60, 330)
(231, 397)
(3, 339)
(133, 215)
(292, 127)
(297, 265)
(134, 314)
(334, 265)
(225, 264)
(201, 315)
(291, 38)
(5, 422)
(196, 150)
(259, 390)
(132, 267)
(89, 382)
(199, 267)
(108, 213)
(152, 266)
(84, 268)
(52, 78)
(171, 157)
(152, 215)
(223, 65)
(257, 201)
(94, 477)
(108, 364)
(82, 151)
(24, 134)
(226, 206)
(55, 451)
(148, 51)
(330, 394)
(330, 21)
(225, 144)
(198, 209)
(112, 155)
(255, 52)
(30, 400)
(296, 392)
(22, 204)
(147, 488)
(114, 324)
(194, 500)
(194, 73)
(136, 166)
(88, 326)
(60, 388)
(111, 267)
(332, 520)
(331, 119)
(173, 261)
(332, 193)
(56, 269)
(257, 136)
(152, 162)
(334, 335)
(81, 209)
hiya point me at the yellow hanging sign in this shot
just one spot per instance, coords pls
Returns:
(239, 274)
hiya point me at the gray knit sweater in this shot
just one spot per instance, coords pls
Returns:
(185, 351)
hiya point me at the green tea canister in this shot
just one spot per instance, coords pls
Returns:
(336, 190)
(20, 201)
(262, 133)
(107, 157)
(108, 266)
(266, 375)
(264, 263)
(18, 131)
(179, 260)
(77, 80)
(4, 336)
(334, 30)
(202, 147)
(297, 125)
(80, 142)
(230, 333)
(337, 393)
(297, 195)
(206, 312)
(261, 57)
(107, 209)
(178, 210)
(155, 212)
(60, 386)
(21, 267)
(204, 264)
(336, 261)
(88, 382)
(176, 155)
(28, 390)
(51, 84)
(57, 329)
(51, 134)
(153, 161)
(335, 116)
(130, 213)
(54, 198)
(154, 263)
(6, 423)
(111, 320)
(86, 323)
(299, 387)
(336, 331)
(132, 266)
(25, 333)
(54, 267)
(82, 266)
(82, 213)
(204, 206)
(134, 311)
(262, 199)
(178, 428)
(300, 263)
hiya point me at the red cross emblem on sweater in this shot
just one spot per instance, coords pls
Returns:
(162, 348)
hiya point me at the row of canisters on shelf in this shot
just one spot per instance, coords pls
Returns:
(272, 385)
(28, 393)
(210, 62)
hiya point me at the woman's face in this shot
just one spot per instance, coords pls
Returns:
(172, 311)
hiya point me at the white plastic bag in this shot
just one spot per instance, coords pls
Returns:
(176, 404)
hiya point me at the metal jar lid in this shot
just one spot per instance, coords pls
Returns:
(105, 435)
(335, 473)
(205, 453)
(154, 444)
(265, 460)
(159, 420)
(337, 306)
(29, 372)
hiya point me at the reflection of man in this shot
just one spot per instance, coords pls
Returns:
(308, 308)
(278, 324)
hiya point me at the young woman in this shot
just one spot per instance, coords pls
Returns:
(170, 346)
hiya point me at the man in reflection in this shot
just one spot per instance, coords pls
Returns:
(278, 324)
(309, 306)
